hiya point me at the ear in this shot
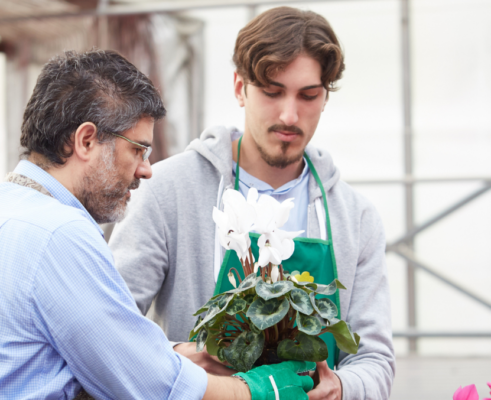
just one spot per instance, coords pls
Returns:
(239, 85)
(85, 141)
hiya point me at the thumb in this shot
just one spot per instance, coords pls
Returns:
(322, 369)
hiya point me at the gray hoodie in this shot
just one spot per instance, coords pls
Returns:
(165, 250)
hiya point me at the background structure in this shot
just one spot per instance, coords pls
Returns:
(410, 129)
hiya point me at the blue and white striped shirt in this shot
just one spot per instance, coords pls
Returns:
(67, 318)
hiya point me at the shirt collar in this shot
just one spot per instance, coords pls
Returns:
(55, 188)
(251, 181)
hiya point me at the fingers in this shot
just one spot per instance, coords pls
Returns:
(307, 383)
(295, 366)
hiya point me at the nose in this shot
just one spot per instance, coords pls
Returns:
(144, 170)
(289, 112)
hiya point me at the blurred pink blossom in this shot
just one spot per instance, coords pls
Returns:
(468, 393)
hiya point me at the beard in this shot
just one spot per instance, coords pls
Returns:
(281, 160)
(103, 192)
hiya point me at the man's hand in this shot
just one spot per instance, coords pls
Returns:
(327, 384)
(279, 381)
(210, 364)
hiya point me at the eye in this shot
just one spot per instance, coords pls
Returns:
(309, 98)
(271, 94)
(138, 150)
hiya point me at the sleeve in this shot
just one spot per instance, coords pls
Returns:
(88, 315)
(368, 375)
(139, 247)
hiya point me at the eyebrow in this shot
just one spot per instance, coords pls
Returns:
(143, 143)
(304, 88)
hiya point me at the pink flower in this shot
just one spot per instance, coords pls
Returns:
(487, 398)
(466, 393)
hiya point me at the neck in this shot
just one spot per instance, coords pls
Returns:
(252, 162)
(64, 173)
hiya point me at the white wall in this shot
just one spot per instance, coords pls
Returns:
(362, 128)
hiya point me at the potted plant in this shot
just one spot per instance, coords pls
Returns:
(271, 314)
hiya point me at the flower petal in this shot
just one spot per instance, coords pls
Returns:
(466, 393)
(252, 196)
(283, 212)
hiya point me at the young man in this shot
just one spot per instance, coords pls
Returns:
(67, 319)
(287, 61)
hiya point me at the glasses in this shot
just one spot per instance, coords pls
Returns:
(147, 150)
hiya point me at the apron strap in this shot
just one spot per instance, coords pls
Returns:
(237, 168)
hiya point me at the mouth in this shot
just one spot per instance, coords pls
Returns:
(286, 136)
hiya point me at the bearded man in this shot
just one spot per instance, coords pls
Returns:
(287, 63)
(67, 319)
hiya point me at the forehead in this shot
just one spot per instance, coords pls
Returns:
(304, 71)
(142, 132)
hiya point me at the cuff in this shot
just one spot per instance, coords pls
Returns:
(191, 382)
(353, 387)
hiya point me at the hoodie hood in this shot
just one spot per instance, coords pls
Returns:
(215, 145)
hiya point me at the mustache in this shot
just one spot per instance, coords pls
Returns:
(285, 128)
(134, 185)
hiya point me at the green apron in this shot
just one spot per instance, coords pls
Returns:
(315, 256)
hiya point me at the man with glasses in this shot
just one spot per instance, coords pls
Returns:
(67, 319)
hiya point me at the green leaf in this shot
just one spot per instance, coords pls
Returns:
(201, 340)
(329, 289)
(304, 348)
(212, 345)
(325, 307)
(266, 313)
(194, 330)
(295, 273)
(308, 324)
(346, 340)
(236, 306)
(220, 354)
(209, 303)
(254, 328)
(245, 350)
(215, 309)
(249, 298)
(248, 283)
(300, 301)
(269, 291)
(322, 321)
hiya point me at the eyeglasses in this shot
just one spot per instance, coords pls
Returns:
(147, 149)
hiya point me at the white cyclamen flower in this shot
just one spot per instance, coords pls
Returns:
(271, 214)
(276, 246)
(235, 221)
(232, 280)
(274, 273)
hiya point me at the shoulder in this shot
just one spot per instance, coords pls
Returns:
(354, 204)
(22, 205)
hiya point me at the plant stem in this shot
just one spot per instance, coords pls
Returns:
(246, 267)
(251, 258)
(236, 273)
(276, 333)
(281, 272)
(235, 320)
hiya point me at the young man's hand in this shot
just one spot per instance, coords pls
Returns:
(279, 381)
(210, 364)
(327, 384)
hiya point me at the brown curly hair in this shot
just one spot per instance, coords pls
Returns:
(272, 40)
